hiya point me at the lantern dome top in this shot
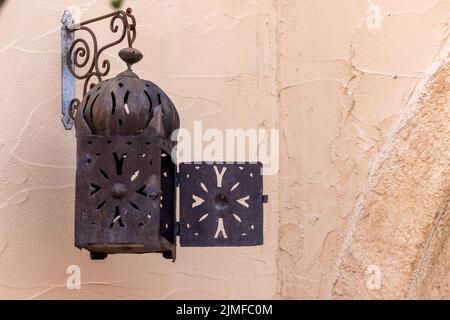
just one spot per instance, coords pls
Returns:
(127, 105)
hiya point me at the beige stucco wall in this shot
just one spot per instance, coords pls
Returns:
(355, 76)
(357, 88)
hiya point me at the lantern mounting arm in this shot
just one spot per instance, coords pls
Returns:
(78, 54)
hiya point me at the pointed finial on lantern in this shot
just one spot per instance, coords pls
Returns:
(130, 56)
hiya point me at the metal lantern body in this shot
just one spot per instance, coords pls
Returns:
(125, 182)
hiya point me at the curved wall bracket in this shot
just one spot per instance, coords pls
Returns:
(77, 54)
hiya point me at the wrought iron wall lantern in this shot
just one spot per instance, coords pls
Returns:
(126, 181)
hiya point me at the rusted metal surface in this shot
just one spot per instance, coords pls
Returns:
(126, 180)
(125, 190)
(221, 204)
(119, 195)
(125, 187)
(126, 105)
(130, 56)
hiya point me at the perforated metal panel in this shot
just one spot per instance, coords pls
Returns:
(118, 191)
(221, 204)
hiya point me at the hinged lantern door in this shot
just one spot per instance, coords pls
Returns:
(221, 204)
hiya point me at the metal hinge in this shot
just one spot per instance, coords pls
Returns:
(177, 179)
(264, 198)
(177, 229)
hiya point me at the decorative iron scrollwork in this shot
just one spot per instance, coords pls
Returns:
(81, 56)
